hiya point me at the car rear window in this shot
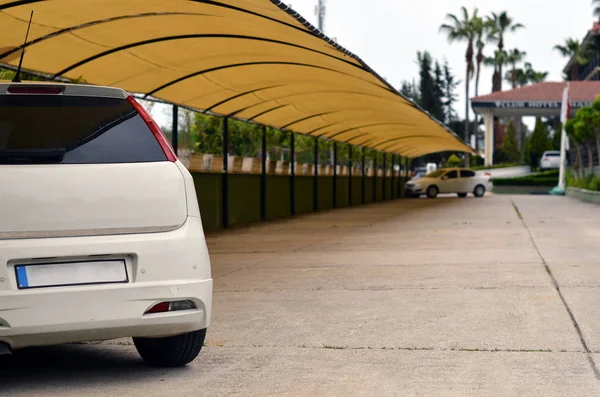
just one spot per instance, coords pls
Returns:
(552, 154)
(40, 129)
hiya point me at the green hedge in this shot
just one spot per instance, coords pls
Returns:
(590, 182)
(547, 178)
(526, 181)
(495, 166)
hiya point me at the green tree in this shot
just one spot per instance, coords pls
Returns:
(596, 4)
(502, 24)
(577, 139)
(499, 59)
(510, 146)
(462, 30)
(454, 161)
(410, 90)
(515, 56)
(485, 32)
(538, 141)
(580, 54)
(450, 96)
(431, 99)
(439, 88)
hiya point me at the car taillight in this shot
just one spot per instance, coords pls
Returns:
(34, 90)
(158, 134)
(175, 306)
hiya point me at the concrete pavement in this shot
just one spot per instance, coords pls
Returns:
(447, 297)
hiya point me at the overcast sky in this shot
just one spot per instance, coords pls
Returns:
(387, 34)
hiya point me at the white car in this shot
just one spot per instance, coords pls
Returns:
(100, 230)
(450, 180)
(550, 160)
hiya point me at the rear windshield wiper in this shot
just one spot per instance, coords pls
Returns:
(29, 155)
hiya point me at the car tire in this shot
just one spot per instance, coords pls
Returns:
(479, 191)
(462, 195)
(432, 192)
(172, 351)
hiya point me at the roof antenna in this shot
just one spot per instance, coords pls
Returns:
(17, 78)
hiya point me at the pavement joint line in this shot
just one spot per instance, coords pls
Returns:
(432, 349)
(376, 289)
(562, 298)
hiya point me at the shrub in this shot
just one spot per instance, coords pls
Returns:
(510, 146)
(548, 178)
(594, 184)
(454, 161)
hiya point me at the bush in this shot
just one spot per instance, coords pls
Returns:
(495, 166)
(526, 181)
(590, 182)
(594, 184)
(453, 161)
(548, 178)
(510, 146)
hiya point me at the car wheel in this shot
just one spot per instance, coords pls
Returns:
(432, 192)
(462, 195)
(172, 351)
(479, 191)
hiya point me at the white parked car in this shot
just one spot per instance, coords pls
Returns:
(550, 160)
(100, 230)
(450, 180)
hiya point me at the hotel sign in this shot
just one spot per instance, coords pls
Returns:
(539, 105)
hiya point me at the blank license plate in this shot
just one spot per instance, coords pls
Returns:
(73, 273)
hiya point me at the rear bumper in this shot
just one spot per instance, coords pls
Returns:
(44, 318)
(161, 267)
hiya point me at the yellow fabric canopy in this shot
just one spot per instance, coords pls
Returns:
(249, 59)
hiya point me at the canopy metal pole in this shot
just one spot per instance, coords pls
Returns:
(364, 198)
(225, 175)
(175, 128)
(263, 175)
(383, 196)
(350, 175)
(393, 172)
(375, 177)
(316, 177)
(292, 175)
(334, 174)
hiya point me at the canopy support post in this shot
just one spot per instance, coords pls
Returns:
(225, 175)
(383, 180)
(334, 174)
(364, 197)
(375, 177)
(316, 176)
(292, 175)
(350, 175)
(393, 195)
(263, 175)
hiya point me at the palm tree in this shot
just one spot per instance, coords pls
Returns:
(515, 56)
(462, 30)
(502, 24)
(596, 4)
(484, 32)
(520, 77)
(535, 76)
(497, 61)
(580, 54)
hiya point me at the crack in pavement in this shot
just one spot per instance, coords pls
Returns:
(560, 294)
(405, 348)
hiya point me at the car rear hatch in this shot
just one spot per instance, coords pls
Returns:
(80, 160)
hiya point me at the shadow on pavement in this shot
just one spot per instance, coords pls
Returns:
(56, 368)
